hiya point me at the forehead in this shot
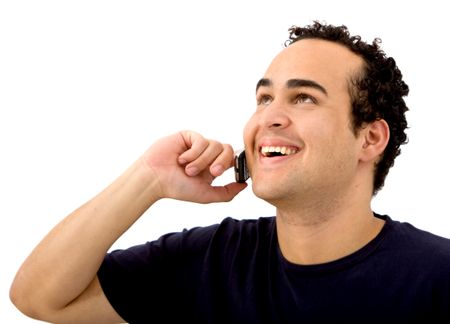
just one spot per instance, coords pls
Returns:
(324, 62)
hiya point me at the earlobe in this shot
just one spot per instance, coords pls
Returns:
(375, 139)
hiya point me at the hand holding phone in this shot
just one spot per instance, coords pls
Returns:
(240, 167)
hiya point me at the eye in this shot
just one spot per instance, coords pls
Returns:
(305, 98)
(263, 99)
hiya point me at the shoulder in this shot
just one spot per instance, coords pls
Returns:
(419, 238)
(419, 244)
(231, 229)
(260, 224)
(229, 232)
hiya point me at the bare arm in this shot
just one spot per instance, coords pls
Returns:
(58, 283)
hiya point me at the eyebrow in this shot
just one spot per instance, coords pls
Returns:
(292, 84)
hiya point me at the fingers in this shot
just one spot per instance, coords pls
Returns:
(186, 165)
(203, 154)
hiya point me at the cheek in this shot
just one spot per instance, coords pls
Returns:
(320, 131)
(327, 138)
(335, 150)
(249, 132)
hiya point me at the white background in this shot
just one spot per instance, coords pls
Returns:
(87, 86)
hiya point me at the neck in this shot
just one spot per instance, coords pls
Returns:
(326, 232)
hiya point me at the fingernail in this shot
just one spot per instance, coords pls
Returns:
(191, 171)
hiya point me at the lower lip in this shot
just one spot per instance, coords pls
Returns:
(275, 159)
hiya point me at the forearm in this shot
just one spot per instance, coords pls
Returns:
(66, 261)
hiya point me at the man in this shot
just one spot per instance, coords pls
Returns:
(328, 124)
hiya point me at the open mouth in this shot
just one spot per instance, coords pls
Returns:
(272, 151)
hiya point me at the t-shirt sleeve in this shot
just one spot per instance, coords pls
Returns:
(142, 280)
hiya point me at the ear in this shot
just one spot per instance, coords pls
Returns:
(375, 137)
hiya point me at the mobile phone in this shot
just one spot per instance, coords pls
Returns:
(240, 167)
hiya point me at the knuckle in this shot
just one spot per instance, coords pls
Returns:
(214, 143)
(228, 147)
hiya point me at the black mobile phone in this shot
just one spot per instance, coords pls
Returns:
(240, 167)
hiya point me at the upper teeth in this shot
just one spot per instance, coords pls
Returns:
(278, 149)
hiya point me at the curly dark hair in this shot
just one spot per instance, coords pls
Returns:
(376, 93)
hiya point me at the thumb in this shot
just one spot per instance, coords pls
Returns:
(222, 193)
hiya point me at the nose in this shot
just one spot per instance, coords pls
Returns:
(275, 116)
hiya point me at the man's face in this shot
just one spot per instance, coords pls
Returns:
(299, 142)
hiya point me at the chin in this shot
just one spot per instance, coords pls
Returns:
(268, 189)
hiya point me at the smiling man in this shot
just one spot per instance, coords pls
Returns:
(329, 122)
(323, 187)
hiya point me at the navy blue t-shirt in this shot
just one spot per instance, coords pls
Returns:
(234, 272)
